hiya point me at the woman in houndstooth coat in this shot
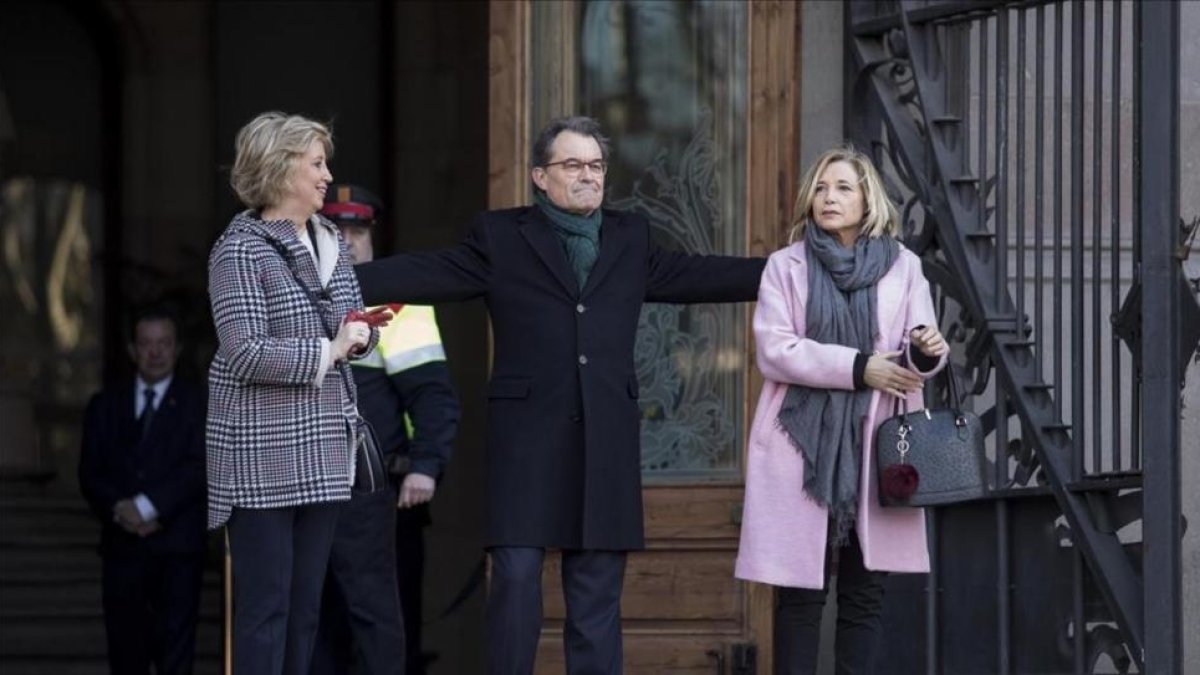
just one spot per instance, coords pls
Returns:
(281, 402)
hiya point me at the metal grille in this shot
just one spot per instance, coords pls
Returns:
(1012, 133)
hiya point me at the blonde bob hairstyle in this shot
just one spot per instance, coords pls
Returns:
(879, 215)
(267, 149)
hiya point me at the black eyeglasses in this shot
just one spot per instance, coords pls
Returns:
(573, 167)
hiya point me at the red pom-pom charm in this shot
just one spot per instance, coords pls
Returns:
(900, 482)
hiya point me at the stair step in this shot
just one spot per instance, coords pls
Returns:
(964, 180)
(49, 597)
(48, 563)
(210, 665)
(81, 600)
(981, 235)
(79, 638)
(1107, 482)
(946, 119)
(210, 610)
(25, 515)
(43, 504)
(49, 539)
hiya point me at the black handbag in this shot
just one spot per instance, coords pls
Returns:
(369, 474)
(930, 457)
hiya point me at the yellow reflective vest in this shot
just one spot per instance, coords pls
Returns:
(409, 340)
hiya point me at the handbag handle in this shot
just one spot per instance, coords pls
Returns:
(955, 401)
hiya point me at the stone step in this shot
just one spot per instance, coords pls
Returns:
(39, 539)
(46, 515)
(86, 666)
(79, 595)
(78, 638)
(78, 592)
(64, 562)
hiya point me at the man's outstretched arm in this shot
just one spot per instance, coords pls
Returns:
(683, 277)
(461, 272)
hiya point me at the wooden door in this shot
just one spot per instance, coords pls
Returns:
(700, 102)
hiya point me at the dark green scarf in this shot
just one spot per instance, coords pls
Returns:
(580, 235)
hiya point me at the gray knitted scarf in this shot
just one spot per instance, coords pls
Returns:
(580, 235)
(825, 425)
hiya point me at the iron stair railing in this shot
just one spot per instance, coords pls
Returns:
(928, 144)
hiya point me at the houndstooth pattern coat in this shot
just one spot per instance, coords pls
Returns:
(275, 438)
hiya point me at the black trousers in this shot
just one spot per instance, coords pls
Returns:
(279, 561)
(859, 618)
(362, 629)
(410, 572)
(150, 607)
(592, 589)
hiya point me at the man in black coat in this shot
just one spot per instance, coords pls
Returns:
(564, 282)
(141, 469)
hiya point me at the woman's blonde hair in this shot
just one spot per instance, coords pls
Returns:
(879, 214)
(266, 149)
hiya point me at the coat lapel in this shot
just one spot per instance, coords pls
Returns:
(614, 237)
(799, 277)
(890, 305)
(538, 231)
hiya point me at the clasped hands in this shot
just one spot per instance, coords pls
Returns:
(126, 514)
(884, 374)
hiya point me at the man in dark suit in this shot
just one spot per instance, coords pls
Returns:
(564, 281)
(142, 472)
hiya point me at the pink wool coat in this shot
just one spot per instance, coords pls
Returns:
(783, 535)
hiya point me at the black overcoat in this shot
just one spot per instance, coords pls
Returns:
(562, 441)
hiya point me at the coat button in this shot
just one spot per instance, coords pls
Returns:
(582, 360)
(576, 419)
(580, 308)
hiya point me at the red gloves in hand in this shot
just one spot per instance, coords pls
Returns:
(375, 318)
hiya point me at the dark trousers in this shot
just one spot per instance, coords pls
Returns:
(592, 589)
(361, 623)
(150, 607)
(410, 572)
(279, 561)
(859, 623)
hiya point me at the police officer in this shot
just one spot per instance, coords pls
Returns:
(404, 391)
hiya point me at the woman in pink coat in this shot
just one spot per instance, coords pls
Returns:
(844, 324)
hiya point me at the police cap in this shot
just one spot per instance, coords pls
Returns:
(347, 204)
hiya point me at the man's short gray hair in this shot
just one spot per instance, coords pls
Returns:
(584, 126)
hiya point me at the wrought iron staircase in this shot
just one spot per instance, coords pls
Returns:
(906, 106)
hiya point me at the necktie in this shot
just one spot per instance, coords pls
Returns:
(147, 411)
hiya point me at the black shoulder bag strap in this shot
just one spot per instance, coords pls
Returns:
(369, 476)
